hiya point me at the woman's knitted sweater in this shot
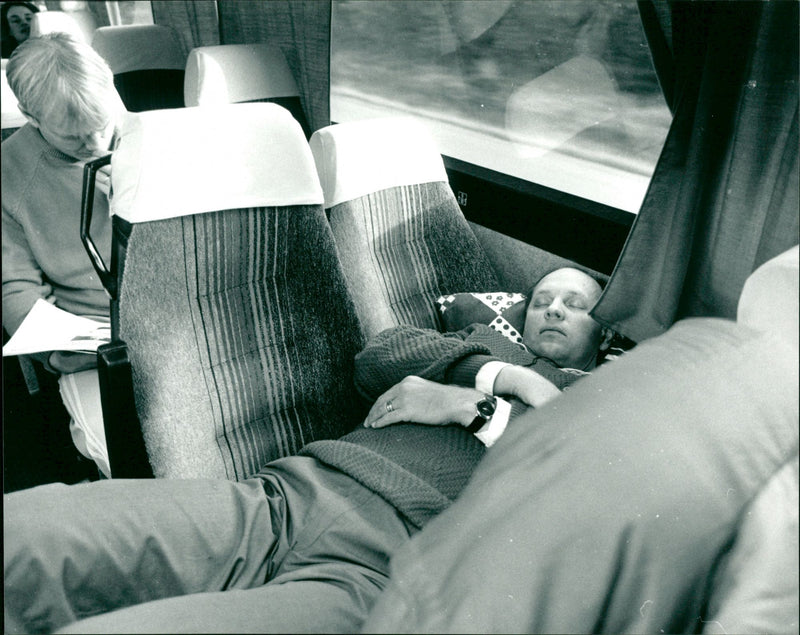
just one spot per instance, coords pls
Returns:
(417, 468)
(43, 256)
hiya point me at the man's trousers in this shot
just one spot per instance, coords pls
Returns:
(300, 548)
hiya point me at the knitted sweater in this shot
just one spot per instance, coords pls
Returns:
(43, 255)
(417, 468)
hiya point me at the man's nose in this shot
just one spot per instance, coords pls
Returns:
(555, 310)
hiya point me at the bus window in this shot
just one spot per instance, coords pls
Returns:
(561, 94)
(130, 12)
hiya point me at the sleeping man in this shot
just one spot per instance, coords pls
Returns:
(304, 546)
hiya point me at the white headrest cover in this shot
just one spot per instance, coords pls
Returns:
(139, 47)
(769, 298)
(183, 161)
(55, 22)
(357, 158)
(233, 73)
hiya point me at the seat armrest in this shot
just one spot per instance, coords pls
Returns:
(127, 455)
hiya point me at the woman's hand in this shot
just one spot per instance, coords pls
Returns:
(418, 400)
(526, 385)
(103, 180)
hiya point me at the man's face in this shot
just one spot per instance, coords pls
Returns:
(558, 325)
(19, 22)
(76, 139)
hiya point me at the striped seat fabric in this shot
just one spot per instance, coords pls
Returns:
(402, 238)
(240, 330)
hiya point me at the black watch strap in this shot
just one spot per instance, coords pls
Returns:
(484, 411)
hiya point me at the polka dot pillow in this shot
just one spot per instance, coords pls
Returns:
(502, 311)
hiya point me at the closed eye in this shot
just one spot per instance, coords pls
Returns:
(579, 305)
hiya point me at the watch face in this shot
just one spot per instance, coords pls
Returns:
(486, 407)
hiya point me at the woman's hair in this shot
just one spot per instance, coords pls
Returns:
(5, 30)
(58, 74)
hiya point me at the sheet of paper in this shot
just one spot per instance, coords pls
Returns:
(48, 328)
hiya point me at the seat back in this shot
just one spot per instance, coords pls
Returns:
(402, 238)
(236, 73)
(241, 334)
(148, 62)
(59, 22)
(11, 119)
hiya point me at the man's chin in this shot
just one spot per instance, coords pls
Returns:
(550, 350)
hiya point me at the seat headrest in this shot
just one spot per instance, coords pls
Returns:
(232, 73)
(139, 47)
(770, 298)
(183, 161)
(56, 22)
(356, 158)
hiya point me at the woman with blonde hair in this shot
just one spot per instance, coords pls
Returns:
(66, 92)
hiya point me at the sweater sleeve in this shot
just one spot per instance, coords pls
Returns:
(401, 351)
(23, 280)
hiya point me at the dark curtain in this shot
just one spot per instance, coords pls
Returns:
(301, 28)
(724, 194)
(195, 21)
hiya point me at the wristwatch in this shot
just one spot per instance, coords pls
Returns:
(484, 410)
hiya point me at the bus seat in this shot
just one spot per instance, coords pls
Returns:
(148, 62)
(85, 20)
(229, 302)
(11, 119)
(402, 239)
(236, 73)
(59, 22)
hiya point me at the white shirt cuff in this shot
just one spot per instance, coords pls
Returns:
(484, 380)
(493, 429)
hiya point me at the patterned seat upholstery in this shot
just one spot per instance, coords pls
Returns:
(402, 238)
(148, 62)
(238, 73)
(240, 331)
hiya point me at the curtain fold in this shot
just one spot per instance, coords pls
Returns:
(301, 28)
(724, 194)
(195, 21)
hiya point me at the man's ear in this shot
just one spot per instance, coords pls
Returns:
(606, 335)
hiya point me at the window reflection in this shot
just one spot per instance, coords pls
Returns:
(561, 93)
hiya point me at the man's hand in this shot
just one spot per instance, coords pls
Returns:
(66, 362)
(526, 385)
(418, 400)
